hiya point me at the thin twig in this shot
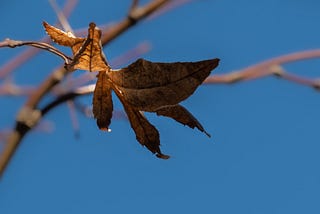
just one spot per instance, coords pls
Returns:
(261, 69)
(135, 16)
(14, 43)
(81, 91)
(132, 54)
(172, 5)
(278, 71)
(134, 5)
(11, 89)
(74, 119)
(61, 17)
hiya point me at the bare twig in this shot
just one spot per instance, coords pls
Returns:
(74, 119)
(131, 54)
(281, 73)
(14, 43)
(138, 14)
(172, 5)
(61, 17)
(9, 88)
(134, 5)
(261, 69)
(20, 59)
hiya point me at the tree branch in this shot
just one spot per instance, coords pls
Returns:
(262, 69)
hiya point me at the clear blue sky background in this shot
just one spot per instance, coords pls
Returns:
(264, 153)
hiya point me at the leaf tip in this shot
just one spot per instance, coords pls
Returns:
(92, 25)
(45, 25)
(162, 156)
(209, 135)
(214, 62)
(106, 129)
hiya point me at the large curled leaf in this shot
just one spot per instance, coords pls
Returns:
(181, 115)
(102, 101)
(91, 58)
(148, 86)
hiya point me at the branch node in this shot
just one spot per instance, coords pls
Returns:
(133, 8)
(59, 75)
(277, 70)
(132, 18)
(316, 85)
(134, 14)
(28, 117)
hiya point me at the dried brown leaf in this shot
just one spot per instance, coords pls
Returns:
(62, 38)
(102, 101)
(181, 115)
(88, 54)
(148, 86)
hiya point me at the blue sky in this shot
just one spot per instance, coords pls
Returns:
(263, 154)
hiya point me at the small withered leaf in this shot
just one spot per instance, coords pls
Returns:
(148, 85)
(92, 57)
(62, 38)
(102, 101)
(146, 134)
(181, 115)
